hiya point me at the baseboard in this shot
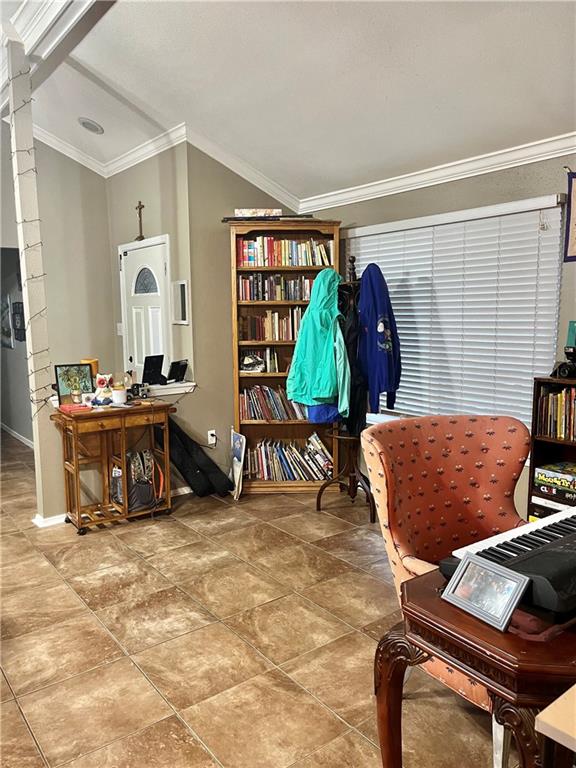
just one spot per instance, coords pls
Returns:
(182, 491)
(46, 522)
(17, 436)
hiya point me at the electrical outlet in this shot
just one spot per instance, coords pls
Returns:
(212, 437)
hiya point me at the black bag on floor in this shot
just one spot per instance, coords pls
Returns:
(140, 466)
(200, 472)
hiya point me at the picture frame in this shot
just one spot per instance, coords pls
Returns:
(7, 331)
(486, 590)
(72, 381)
(18, 323)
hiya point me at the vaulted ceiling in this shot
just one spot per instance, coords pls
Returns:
(320, 96)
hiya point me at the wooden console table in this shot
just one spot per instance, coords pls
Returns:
(522, 676)
(101, 439)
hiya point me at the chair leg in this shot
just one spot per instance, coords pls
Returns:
(501, 740)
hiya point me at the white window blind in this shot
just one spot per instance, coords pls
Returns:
(476, 304)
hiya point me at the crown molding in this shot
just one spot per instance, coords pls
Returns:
(70, 151)
(492, 162)
(245, 170)
(170, 138)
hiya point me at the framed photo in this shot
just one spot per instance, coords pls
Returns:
(73, 381)
(486, 590)
(18, 321)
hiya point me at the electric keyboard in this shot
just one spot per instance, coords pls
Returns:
(544, 550)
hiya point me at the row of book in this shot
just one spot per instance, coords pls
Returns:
(259, 287)
(266, 251)
(266, 403)
(280, 461)
(557, 414)
(272, 326)
(554, 487)
(259, 361)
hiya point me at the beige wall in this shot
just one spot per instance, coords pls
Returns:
(162, 184)
(534, 180)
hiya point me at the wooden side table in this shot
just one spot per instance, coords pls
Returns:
(100, 439)
(522, 676)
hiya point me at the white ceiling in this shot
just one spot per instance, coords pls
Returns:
(320, 96)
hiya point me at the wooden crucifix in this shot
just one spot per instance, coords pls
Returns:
(140, 208)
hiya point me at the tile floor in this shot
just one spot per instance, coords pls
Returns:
(232, 635)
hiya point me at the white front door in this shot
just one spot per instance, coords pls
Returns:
(144, 283)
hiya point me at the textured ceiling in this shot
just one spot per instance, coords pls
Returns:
(322, 96)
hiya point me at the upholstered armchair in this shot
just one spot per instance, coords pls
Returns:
(442, 482)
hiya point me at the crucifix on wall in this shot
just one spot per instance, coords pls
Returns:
(140, 208)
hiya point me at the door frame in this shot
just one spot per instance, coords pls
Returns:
(136, 245)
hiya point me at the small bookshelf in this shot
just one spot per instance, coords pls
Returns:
(274, 264)
(553, 443)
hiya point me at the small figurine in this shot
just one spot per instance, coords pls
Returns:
(103, 394)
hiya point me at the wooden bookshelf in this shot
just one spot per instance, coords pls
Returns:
(545, 447)
(255, 430)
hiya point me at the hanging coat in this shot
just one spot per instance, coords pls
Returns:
(319, 372)
(378, 345)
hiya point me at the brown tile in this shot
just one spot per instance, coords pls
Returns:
(183, 505)
(32, 570)
(347, 751)
(7, 524)
(200, 664)
(153, 538)
(256, 541)
(17, 492)
(340, 674)
(167, 744)
(117, 584)
(311, 525)
(5, 692)
(369, 729)
(25, 610)
(232, 588)
(211, 522)
(87, 554)
(17, 746)
(14, 547)
(301, 565)
(269, 507)
(377, 629)
(266, 722)
(381, 570)
(190, 561)
(45, 538)
(355, 597)
(90, 710)
(287, 627)
(54, 653)
(359, 547)
(154, 618)
(356, 513)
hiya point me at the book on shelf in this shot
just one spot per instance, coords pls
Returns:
(262, 287)
(259, 361)
(272, 326)
(557, 413)
(561, 495)
(279, 460)
(268, 404)
(269, 251)
(561, 474)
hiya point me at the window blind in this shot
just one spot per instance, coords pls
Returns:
(476, 304)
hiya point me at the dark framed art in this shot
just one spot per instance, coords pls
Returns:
(18, 320)
(72, 381)
(570, 216)
(486, 590)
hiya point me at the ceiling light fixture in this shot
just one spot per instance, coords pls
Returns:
(91, 125)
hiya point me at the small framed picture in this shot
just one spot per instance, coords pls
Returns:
(486, 590)
(73, 381)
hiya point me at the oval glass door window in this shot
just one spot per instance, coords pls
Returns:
(145, 282)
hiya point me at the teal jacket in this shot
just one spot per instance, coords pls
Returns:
(320, 372)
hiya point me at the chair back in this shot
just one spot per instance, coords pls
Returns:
(443, 482)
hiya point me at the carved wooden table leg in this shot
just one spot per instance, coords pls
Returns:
(393, 655)
(521, 723)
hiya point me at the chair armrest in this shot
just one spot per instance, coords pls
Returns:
(417, 567)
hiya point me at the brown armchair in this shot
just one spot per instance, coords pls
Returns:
(442, 482)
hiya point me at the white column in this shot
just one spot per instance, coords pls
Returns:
(31, 265)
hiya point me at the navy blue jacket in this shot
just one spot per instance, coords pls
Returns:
(378, 345)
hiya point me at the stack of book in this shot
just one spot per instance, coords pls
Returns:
(280, 461)
(267, 404)
(555, 485)
(260, 287)
(266, 251)
(557, 413)
(272, 326)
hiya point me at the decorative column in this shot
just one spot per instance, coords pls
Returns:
(24, 173)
